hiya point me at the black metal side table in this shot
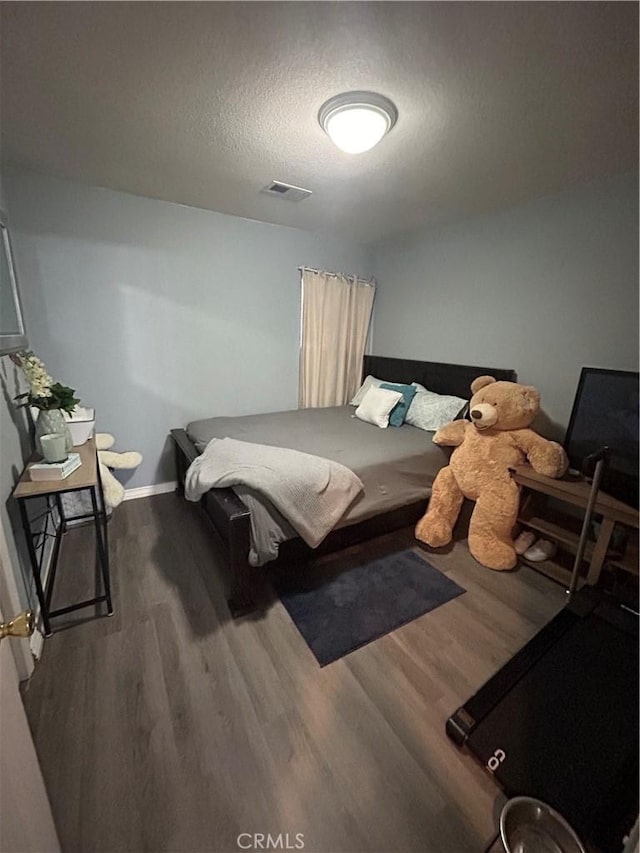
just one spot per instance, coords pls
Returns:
(85, 478)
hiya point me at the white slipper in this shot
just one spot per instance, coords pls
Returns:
(524, 541)
(540, 551)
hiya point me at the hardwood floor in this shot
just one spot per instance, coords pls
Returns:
(168, 727)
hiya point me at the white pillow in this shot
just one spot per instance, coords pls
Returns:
(430, 411)
(376, 406)
(369, 382)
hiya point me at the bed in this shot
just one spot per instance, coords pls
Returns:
(396, 466)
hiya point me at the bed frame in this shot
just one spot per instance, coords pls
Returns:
(230, 517)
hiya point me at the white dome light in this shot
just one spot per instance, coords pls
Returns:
(356, 121)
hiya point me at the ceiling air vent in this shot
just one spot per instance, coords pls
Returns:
(287, 191)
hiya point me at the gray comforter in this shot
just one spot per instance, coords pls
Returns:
(397, 465)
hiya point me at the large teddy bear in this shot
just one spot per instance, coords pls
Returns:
(497, 438)
(113, 489)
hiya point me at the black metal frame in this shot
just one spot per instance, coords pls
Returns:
(230, 518)
(98, 514)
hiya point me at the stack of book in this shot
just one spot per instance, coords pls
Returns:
(54, 470)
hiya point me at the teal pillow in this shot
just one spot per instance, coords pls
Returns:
(399, 411)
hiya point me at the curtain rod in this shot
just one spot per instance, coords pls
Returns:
(371, 282)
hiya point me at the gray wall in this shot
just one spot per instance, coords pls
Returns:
(14, 450)
(158, 313)
(15, 445)
(544, 288)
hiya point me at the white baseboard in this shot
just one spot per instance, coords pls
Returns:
(147, 491)
(36, 642)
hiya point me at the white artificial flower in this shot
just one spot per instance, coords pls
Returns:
(37, 376)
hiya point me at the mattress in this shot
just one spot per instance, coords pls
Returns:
(396, 465)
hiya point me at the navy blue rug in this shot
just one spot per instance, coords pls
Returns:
(364, 603)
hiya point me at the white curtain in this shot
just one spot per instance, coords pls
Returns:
(336, 310)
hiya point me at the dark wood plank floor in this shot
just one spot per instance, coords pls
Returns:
(168, 727)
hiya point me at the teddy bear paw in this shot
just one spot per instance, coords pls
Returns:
(104, 440)
(130, 459)
(434, 531)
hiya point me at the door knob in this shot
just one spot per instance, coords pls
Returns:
(20, 626)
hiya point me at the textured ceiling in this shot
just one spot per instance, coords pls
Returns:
(204, 103)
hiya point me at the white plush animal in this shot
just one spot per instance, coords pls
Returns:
(113, 489)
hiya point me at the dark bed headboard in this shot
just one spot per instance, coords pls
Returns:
(453, 379)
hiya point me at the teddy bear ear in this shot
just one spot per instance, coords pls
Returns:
(531, 396)
(481, 382)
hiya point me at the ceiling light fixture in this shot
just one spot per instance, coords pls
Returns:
(356, 121)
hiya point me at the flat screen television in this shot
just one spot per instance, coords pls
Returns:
(606, 413)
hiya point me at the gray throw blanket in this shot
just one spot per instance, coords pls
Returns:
(312, 493)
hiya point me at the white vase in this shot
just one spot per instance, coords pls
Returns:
(52, 421)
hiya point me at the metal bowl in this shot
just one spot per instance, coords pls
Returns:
(528, 825)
